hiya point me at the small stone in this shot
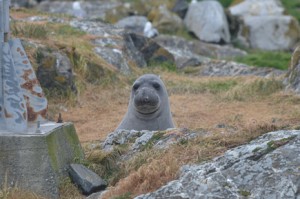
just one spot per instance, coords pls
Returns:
(88, 181)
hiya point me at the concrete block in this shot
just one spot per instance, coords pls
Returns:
(38, 161)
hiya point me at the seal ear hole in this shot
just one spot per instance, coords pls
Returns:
(156, 85)
(135, 86)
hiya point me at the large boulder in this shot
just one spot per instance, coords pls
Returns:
(272, 32)
(293, 76)
(134, 24)
(195, 53)
(207, 20)
(264, 25)
(267, 167)
(257, 8)
(55, 70)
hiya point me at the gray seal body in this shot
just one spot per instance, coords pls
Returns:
(149, 107)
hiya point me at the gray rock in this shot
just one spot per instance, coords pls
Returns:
(115, 57)
(55, 70)
(195, 53)
(257, 8)
(134, 24)
(230, 68)
(96, 195)
(264, 25)
(272, 32)
(147, 48)
(88, 181)
(265, 168)
(181, 7)
(138, 139)
(143, 140)
(292, 80)
(207, 20)
(120, 48)
(120, 137)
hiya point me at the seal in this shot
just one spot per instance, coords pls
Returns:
(149, 107)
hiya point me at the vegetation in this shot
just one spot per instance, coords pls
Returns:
(275, 59)
(292, 7)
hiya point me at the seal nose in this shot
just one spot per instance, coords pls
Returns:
(146, 99)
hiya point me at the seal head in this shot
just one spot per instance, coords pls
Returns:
(148, 107)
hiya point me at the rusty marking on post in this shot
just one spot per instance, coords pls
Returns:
(36, 102)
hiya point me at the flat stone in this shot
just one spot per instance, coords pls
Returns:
(87, 180)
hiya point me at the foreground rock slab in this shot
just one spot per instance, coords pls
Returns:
(267, 167)
(88, 181)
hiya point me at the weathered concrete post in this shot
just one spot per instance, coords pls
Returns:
(33, 159)
(22, 98)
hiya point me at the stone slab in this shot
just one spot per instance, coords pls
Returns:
(87, 180)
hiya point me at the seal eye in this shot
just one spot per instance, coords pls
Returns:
(156, 85)
(135, 87)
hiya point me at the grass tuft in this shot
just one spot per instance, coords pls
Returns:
(254, 89)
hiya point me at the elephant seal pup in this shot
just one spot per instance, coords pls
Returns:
(149, 107)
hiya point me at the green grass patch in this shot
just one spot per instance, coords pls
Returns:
(274, 59)
(292, 7)
(164, 65)
(29, 30)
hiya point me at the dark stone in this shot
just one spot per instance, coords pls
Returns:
(180, 8)
(55, 70)
(88, 181)
(149, 49)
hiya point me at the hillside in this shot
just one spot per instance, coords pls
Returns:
(225, 94)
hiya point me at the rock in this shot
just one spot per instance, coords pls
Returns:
(265, 168)
(257, 8)
(115, 57)
(181, 50)
(120, 48)
(207, 20)
(55, 70)
(195, 53)
(293, 76)
(230, 68)
(96, 195)
(148, 48)
(91, 10)
(264, 26)
(272, 32)
(164, 20)
(88, 181)
(180, 8)
(137, 140)
(133, 24)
